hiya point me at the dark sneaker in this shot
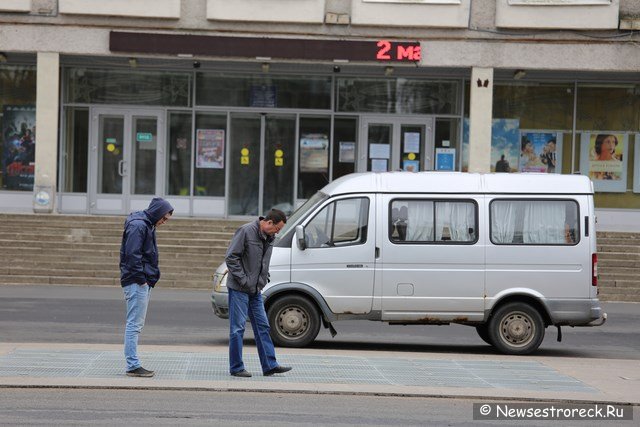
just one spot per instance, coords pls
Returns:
(243, 374)
(277, 370)
(140, 372)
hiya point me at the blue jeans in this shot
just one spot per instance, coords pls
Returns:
(242, 305)
(137, 297)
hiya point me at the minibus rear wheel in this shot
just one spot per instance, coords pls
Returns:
(294, 321)
(483, 332)
(516, 328)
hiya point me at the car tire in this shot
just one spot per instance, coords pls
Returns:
(483, 332)
(516, 328)
(294, 321)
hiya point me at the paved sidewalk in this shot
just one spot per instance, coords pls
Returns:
(323, 371)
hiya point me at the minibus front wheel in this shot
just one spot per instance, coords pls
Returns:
(516, 328)
(294, 321)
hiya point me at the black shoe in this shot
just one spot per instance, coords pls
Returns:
(244, 374)
(140, 372)
(277, 370)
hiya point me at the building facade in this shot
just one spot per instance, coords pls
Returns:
(230, 108)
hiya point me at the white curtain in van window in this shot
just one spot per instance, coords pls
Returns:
(453, 221)
(543, 222)
(503, 222)
(461, 219)
(420, 221)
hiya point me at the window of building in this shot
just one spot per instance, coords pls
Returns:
(345, 146)
(532, 127)
(397, 96)
(144, 87)
(179, 159)
(263, 91)
(314, 151)
(209, 159)
(607, 122)
(18, 127)
(75, 154)
(433, 221)
(341, 223)
(534, 222)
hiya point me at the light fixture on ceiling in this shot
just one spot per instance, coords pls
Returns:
(133, 62)
(519, 74)
(265, 67)
(388, 71)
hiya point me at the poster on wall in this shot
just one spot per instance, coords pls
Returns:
(314, 153)
(464, 155)
(603, 158)
(505, 145)
(445, 159)
(540, 151)
(558, 2)
(19, 150)
(636, 164)
(210, 148)
(347, 152)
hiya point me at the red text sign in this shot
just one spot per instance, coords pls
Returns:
(398, 51)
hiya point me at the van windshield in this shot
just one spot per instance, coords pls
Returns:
(295, 217)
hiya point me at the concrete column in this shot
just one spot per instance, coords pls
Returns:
(480, 115)
(47, 107)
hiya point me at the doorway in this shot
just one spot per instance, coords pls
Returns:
(395, 143)
(261, 163)
(126, 159)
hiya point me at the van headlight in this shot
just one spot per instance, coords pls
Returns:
(220, 282)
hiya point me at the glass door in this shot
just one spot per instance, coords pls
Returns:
(127, 157)
(261, 166)
(395, 143)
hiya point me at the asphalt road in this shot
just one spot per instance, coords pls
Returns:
(148, 407)
(184, 317)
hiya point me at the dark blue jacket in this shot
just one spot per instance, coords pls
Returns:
(139, 251)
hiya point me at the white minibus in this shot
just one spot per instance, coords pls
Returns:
(508, 254)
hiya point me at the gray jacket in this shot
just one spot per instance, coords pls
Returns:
(248, 258)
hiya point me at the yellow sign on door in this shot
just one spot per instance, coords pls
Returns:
(244, 160)
(279, 161)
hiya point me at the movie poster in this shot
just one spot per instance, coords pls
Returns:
(19, 148)
(210, 148)
(603, 158)
(540, 151)
(505, 146)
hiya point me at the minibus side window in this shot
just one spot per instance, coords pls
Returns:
(433, 221)
(341, 223)
(534, 222)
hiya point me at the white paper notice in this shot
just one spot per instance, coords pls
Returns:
(379, 151)
(412, 142)
(378, 165)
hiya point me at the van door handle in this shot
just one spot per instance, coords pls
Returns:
(355, 265)
(377, 252)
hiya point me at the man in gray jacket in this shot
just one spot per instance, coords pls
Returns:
(248, 259)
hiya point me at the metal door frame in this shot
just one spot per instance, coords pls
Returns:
(96, 199)
(396, 122)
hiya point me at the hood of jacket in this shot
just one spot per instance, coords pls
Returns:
(158, 208)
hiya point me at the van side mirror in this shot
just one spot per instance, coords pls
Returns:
(302, 245)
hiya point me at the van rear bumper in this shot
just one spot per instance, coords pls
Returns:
(575, 312)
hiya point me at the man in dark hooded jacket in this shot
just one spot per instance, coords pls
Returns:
(139, 273)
